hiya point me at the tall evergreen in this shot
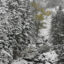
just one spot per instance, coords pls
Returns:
(57, 30)
(21, 26)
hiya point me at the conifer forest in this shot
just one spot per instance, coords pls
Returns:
(31, 31)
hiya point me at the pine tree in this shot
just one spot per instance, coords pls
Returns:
(21, 25)
(57, 28)
(57, 32)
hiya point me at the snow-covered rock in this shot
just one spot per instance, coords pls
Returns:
(49, 56)
(47, 19)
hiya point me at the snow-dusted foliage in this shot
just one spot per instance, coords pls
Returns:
(26, 32)
(17, 26)
(57, 27)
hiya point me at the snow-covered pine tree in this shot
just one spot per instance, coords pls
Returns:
(57, 32)
(4, 43)
(57, 28)
(21, 25)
